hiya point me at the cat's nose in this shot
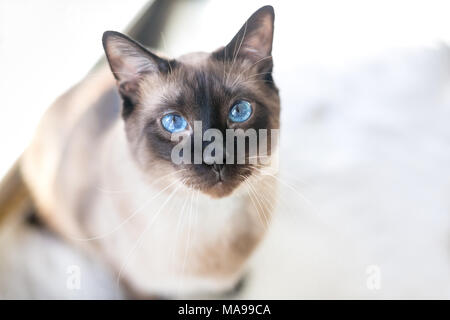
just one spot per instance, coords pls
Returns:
(218, 170)
(211, 160)
(217, 167)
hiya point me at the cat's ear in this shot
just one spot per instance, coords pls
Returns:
(254, 39)
(128, 59)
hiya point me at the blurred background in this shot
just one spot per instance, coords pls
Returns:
(365, 90)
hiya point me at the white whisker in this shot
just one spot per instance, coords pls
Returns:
(137, 211)
(141, 236)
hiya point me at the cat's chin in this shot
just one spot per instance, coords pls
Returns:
(219, 190)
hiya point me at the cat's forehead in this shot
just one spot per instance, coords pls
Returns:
(195, 59)
(198, 79)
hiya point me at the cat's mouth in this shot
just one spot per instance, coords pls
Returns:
(216, 182)
(219, 190)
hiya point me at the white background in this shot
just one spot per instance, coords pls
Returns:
(365, 89)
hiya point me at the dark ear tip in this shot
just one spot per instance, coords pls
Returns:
(111, 34)
(266, 10)
(108, 34)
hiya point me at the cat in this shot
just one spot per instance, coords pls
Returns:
(101, 175)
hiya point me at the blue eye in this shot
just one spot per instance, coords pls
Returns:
(173, 122)
(241, 111)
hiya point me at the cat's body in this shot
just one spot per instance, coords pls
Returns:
(78, 211)
(87, 174)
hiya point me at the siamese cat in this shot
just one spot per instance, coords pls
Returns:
(101, 175)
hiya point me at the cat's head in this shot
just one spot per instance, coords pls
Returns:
(231, 88)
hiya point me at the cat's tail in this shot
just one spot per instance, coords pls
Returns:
(14, 195)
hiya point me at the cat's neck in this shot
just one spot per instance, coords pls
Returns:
(195, 235)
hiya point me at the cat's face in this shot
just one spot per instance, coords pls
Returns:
(231, 88)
